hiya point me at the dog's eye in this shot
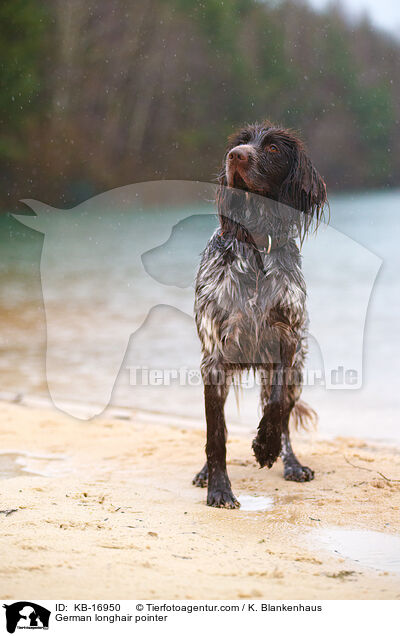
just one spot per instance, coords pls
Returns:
(272, 148)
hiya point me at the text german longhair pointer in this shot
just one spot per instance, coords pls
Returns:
(250, 296)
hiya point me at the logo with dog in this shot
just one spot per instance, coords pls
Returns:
(106, 251)
(26, 615)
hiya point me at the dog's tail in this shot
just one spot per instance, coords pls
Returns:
(303, 416)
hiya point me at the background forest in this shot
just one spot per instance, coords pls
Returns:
(99, 94)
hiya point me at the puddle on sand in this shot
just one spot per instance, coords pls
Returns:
(254, 503)
(11, 466)
(14, 464)
(371, 549)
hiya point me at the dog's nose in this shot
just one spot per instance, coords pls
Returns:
(239, 154)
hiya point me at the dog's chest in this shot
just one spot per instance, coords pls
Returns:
(243, 303)
(259, 290)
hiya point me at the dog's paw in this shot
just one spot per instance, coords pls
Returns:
(298, 472)
(267, 444)
(222, 499)
(265, 454)
(200, 480)
(220, 493)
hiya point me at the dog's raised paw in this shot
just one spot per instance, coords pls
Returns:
(265, 454)
(222, 499)
(298, 473)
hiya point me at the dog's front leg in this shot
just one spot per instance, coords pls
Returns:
(268, 442)
(220, 493)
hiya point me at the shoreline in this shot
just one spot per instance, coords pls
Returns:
(164, 417)
(113, 505)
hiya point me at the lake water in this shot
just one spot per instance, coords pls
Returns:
(109, 283)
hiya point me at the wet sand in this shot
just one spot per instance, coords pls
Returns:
(113, 514)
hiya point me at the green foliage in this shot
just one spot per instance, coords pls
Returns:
(152, 88)
(376, 120)
(23, 25)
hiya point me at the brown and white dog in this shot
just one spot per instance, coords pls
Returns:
(250, 296)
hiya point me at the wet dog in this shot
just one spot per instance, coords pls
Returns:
(250, 296)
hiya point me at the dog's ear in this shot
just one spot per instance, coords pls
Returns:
(304, 189)
(313, 187)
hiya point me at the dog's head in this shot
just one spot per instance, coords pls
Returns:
(272, 162)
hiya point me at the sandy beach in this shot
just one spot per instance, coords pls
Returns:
(112, 514)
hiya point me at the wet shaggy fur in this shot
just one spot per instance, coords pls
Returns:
(250, 296)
